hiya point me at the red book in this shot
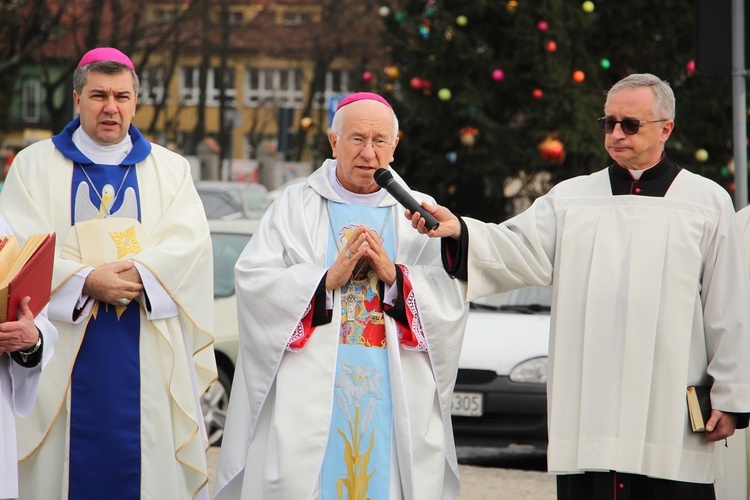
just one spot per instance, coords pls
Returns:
(30, 275)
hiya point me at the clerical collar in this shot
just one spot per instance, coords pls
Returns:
(654, 181)
(100, 154)
(64, 143)
(369, 199)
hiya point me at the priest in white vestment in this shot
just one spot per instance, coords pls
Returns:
(734, 483)
(645, 261)
(19, 377)
(118, 410)
(350, 333)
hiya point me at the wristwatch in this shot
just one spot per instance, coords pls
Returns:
(25, 354)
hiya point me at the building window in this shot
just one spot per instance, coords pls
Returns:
(189, 90)
(273, 87)
(31, 91)
(153, 83)
(165, 15)
(298, 15)
(338, 83)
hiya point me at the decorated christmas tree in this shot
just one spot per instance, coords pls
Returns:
(499, 98)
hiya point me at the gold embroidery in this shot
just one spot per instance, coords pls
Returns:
(126, 242)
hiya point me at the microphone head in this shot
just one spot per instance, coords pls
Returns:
(382, 176)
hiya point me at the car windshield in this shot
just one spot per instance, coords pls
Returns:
(529, 300)
(227, 249)
(256, 198)
(220, 206)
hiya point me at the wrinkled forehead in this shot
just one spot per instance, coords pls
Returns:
(368, 115)
(632, 103)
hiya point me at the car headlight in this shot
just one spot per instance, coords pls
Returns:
(531, 371)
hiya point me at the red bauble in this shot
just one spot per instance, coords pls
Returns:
(550, 46)
(416, 83)
(537, 93)
(552, 150)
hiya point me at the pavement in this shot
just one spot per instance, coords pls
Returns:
(477, 483)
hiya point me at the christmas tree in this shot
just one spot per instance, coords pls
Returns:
(492, 91)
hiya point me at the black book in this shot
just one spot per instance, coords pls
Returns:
(699, 406)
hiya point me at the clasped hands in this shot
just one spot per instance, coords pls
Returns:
(115, 283)
(363, 245)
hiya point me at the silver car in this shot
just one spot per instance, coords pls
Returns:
(229, 238)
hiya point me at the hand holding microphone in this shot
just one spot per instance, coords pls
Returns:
(385, 180)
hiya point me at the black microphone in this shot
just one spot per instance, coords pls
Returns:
(385, 180)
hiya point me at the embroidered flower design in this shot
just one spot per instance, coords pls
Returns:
(353, 385)
(125, 242)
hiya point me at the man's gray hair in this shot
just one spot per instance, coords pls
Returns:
(107, 67)
(338, 123)
(665, 102)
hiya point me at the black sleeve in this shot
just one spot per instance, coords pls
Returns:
(742, 420)
(321, 315)
(455, 254)
(32, 359)
(398, 310)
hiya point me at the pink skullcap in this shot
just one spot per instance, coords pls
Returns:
(106, 54)
(361, 96)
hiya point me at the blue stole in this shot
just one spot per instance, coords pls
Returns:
(357, 462)
(105, 413)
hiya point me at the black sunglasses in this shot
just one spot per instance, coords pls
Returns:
(629, 126)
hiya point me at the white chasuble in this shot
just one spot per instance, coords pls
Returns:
(279, 422)
(175, 354)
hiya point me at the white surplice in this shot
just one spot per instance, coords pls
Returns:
(648, 299)
(736, 456)
(279, 413)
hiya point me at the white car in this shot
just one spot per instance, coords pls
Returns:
(229, 238)
(500, 395)
(232, 200)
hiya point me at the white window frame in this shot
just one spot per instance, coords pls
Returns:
(273, 87)
(189, 95)
(153, 87)
(331, 90)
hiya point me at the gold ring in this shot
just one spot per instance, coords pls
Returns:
(348, 254)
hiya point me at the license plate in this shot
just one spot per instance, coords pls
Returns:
(467, 404)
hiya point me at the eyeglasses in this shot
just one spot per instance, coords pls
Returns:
(629, 126)
(361, 142)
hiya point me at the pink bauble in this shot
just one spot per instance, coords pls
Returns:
(690, 66)
(542, 26)
(367, 76)
(498, 75)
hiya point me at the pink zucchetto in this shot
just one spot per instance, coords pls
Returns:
(361, 96)
(106, 54)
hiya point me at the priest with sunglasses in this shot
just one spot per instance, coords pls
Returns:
(649, 298)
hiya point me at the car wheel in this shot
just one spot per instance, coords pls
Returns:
(214, 403)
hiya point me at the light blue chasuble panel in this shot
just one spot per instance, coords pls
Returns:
(357, 462)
